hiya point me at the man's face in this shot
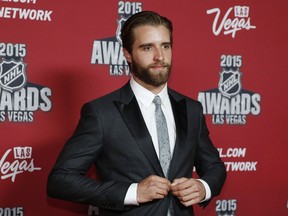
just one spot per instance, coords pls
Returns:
(151, 55)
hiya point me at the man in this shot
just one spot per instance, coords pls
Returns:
(119, 134)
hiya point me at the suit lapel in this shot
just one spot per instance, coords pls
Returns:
(131, 114)
(179, 108)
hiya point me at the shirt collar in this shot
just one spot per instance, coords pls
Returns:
(145, 96)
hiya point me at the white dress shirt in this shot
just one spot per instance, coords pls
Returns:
(145, 100)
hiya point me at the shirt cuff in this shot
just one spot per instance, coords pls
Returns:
(207, 190)
(131, 195)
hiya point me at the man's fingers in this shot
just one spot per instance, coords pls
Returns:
(153, 187)
(178, 181)
(188, 191)
(184, 183)
(161, 185)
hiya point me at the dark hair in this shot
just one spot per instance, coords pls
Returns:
(141, 19)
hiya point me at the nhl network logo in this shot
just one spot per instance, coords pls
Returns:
(109, 51)
(227, 24)
(230, 103)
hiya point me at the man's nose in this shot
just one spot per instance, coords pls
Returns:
(158, 55)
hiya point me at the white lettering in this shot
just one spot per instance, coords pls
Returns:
(241, 104)
(232, 152)
(97, 53)
(45, 105)
(229, 26)
(21, 1)
(31, 14)
(241, 166)
(11, 170)
(110, 52)
(26, 99)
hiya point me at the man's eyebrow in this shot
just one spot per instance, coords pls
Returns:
(151, 44)
(167, 43)
(145, 44)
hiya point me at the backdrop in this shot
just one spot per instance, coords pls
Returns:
(229, 55)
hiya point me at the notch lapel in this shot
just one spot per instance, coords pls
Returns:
(131, 114)
(179, 108)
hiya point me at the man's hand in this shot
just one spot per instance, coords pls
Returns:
(189, 191)
(153, 187)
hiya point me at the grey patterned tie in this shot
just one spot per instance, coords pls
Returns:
(163, 137)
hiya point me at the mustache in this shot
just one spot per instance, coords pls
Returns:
(161, 64)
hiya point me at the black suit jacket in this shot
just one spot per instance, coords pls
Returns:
(112, 134)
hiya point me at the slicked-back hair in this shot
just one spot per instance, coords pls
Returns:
(143, 18)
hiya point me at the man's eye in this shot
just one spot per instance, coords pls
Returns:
(147, 48)
(166, 46)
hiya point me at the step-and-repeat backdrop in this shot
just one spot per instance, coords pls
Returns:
(229, 55)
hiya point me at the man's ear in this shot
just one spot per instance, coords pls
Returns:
(127, 55)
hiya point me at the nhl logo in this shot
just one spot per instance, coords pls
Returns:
(230, 83)
(12, 75)
(120, 23)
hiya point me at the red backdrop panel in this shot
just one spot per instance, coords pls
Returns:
(229, 55)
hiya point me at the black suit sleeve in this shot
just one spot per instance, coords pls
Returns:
(68, 179)
(208, 164)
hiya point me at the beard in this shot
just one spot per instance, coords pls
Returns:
(150, 77)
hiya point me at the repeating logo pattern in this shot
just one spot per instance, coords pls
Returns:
(229, 24)
(19, 99)
(24, 13)
(12, 75)
(23, 162)
(226, 207)
(230, 83)
(230, 103)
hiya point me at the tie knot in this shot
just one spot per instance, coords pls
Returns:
(157, 100)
